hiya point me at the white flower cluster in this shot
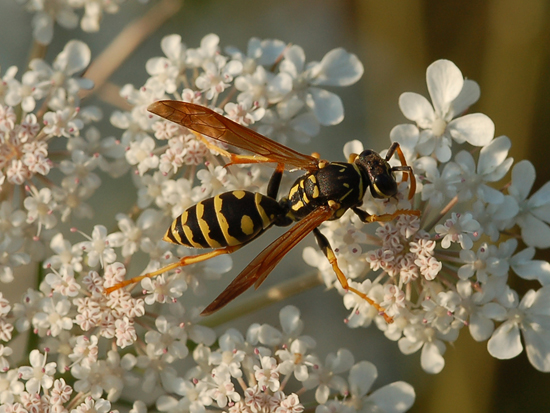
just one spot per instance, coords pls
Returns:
(65, 13)
(245, 375)
(77, 328)
(430, 278)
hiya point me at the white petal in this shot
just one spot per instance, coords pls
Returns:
(338, 68)
(322, 393)
(541, 197)
(271, 50)
(534, 232)
(493, 155)
(466, 161)
(361, 378)
(523, 178)
(353, 146)
(542, 212)
(505, 342)
(445, 82)
(406, 135)
(480, 327)
(305, 126)
(477, 129)
(293, 63)
(171, 46)
(289, 317)
(541, 306)
(394, 398)
(417, 108)
(468, 95)
(537, 346)
(431, 358)
(534, 270)
(490, 195)
(500, 171)
(42, 28)
(210, 43)
(408, 346)
(269, 335)
(75, 57)
(326, 105)
(340, 362)
(301, 373)
(442, 149)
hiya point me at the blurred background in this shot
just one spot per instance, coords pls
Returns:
(501, 44)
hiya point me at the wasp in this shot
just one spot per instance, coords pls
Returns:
(229, 221)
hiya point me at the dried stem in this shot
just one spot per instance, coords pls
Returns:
(127, 41)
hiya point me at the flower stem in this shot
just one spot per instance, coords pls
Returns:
(264, 298)
(443, 212)
(127, 41)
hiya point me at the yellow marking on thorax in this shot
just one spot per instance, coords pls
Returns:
(313, 180)
(346, 194)
(239, 194)
(205, 228)
(293, 190)
(305, 199)
(222, 221)
(297, 206)
(361, 183)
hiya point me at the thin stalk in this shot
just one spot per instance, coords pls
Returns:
(265, 298)
(443, 212)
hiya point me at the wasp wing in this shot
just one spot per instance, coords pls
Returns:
(210, 123)
(257, 271)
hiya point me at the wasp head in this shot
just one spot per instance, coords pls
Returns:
(379, 174)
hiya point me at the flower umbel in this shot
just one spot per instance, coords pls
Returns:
(434, 274)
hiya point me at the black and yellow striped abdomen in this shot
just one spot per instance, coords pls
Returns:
(229, 219)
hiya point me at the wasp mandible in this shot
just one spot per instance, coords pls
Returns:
(228, 221)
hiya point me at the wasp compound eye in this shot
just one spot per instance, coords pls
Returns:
(383, 186)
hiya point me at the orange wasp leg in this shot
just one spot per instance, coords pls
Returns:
(406, 169)
(193, 259)
(323, 243)
(368, 218)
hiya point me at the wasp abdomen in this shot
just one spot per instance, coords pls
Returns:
(228, 219)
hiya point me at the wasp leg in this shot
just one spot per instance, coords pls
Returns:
(368, 218)
(275, 181)
(323, 243)
(234, 158)
(193, 259)
(406, 169)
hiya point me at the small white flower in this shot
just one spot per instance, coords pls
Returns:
(460, 228)
(267, 375)
(98, 247)
(395, 397)
(141, 153)
(533, 215)
(40, 374)
(531, 316)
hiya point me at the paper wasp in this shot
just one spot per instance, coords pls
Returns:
(228, 221)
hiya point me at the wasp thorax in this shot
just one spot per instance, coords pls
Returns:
(379, 174)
